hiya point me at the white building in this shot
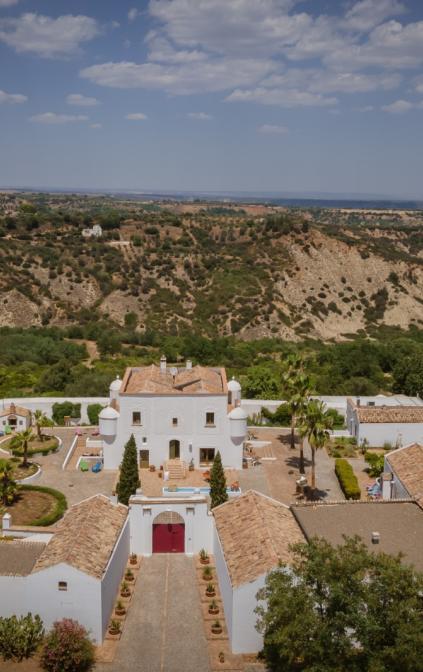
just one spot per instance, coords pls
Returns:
(76, 574)
(14, 418)
(95, 232)
(170, 525)
(403, 473)
(184, 414)
(398, 421)
(253, 534)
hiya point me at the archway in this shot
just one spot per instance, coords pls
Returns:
(168, 533)
(174, 449)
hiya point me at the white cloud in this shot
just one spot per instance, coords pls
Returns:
(367, 14)
(80, 100)
(283, 98)
(200, 116)
(212, 75)
(136, 116)
(96, 125)
(272, 129)
(132, 14)
(12, 98)
(398, 107)
(45, 36)
(8, 3)
(55, 119)
(161, 51)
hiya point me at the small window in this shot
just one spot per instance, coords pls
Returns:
(206, 456)
(210, 419)
(175, 422)
(63, 585)
(144, 439)
(136, 418)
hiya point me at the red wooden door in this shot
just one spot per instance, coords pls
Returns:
(168, 538)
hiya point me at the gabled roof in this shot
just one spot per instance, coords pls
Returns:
(388, 413)
(86, 536)
(15, 410)
(255, 533)
(407, 463)
(17, 558)
(197, 380)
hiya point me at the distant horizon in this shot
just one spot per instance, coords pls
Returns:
(235, 193)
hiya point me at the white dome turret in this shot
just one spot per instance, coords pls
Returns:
(107, 421)
(234, 392)
(115, 388)
(238, 424)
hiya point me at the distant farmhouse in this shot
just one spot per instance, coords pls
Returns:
(396, 420)
(95, 232)
(180, 416)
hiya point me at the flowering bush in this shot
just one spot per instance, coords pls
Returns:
(67, 648)
(20, 637)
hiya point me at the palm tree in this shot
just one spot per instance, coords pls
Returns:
(20, 442)
(41, 420)
(297, 386)
(314, 425)
(8, 486)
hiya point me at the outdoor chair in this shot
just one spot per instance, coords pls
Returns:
(97, 467)
(83, 466)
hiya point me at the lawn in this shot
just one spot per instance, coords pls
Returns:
(36, 505)
(45, 446)
(20, 472)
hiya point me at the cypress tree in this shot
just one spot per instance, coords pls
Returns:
(218, 494)
(129, 476)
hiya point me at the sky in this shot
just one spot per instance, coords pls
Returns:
(213, 95)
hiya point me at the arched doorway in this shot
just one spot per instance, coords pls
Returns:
(168, 533)
(174, 449)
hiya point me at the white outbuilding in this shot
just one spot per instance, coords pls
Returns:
(398, 422)
(76, 574)
(253, 534)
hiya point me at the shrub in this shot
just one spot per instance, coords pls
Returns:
(20, 637)
(93, 411)
(129, 477)
(376, 463)
(65, 408)
(347, 479)
(59, 510)
(67, 648)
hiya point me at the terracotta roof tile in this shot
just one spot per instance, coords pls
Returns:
(17, 558)
(86, 536)
(255, 533)
(150, 379)
(15, 410)
(390, 414)
(407, 463)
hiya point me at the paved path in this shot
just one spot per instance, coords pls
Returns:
(164, 628)
(75, 485)
(326, 481)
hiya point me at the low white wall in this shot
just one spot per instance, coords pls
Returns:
(45, 404)
(198, 522)
(397, 434)
(113, 575)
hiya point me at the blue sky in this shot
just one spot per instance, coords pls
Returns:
(227, 95)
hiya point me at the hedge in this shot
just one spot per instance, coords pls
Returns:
(18, 452)
(58, 512)
(347, 479)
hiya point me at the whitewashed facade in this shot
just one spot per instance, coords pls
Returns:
(381, 420)
(189, 421)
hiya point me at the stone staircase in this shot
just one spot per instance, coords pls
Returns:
(177, 469)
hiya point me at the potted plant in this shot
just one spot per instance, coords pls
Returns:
(129, 575)
(213, 608)
(191, 465)
(210, 590)
(133, 559)
(120, 609)
(152, 468)
(114, 627)
(207, 573)
(124, 590)
(204, 557)
(216, 627)
(221, 657)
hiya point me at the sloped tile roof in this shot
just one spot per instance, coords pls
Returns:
(15, 410)
(150, 379)
(255, 532)
(390, 414)
(407, 464)
(17, 558)
(86, 536)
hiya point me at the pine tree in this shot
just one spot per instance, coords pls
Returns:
(218, 492)
(129, 476)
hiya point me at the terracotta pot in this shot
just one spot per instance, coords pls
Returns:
(125, 593)
(129, 578)
(214, 612)
(216, 631)
(212, 594)
(120, 612)
(205, 562)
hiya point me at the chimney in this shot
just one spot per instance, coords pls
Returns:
(375, 537)
(162, 364)
(189, 365)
